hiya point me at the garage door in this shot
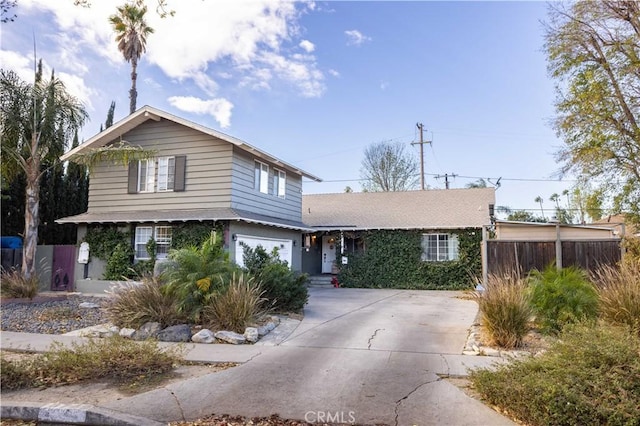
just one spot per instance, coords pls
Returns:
(283, 246)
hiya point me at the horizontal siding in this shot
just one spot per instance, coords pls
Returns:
(244, 196)
(207, 180)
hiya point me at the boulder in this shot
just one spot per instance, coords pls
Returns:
(127, 333)
(88, 305)
(175, 333)
(148, 330)
(230, 337)
(263, 330)
(204, 336)
(251, 334)
(270, 325)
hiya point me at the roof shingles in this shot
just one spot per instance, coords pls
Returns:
(431, 209)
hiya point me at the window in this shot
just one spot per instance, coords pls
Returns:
(439, 247)
(162, 237)
(262, 177)
(146, 175)
(163, 241)
(279, 183)
(143, 235)
(166, 173)
(157, 175)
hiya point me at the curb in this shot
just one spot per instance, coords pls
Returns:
(79, 414)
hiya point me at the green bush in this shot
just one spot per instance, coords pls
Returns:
(14, 284)
(505, 309)
(132, 305)
(590, 376)
(235, 307)
(283, 288)
(196, 274)
(619, 292)
(119, 266)
(561, 297)
(115, 358)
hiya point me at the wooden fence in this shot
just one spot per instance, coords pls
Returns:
(523, 256)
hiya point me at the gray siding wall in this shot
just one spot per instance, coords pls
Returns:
(268, 232)
(244, 196)
(207, 180)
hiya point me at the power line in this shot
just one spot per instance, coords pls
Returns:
(467, 177)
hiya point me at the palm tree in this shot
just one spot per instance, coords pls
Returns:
(37, 120)
(131, 34)
(539, 200)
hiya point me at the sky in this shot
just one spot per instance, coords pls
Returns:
(315, 83)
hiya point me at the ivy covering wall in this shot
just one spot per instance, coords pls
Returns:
(392, 259)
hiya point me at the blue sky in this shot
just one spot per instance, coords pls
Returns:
(315, 83)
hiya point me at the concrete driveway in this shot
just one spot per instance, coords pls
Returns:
(359, 356)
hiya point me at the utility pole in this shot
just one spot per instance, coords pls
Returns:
(420, 127)
(446, 178)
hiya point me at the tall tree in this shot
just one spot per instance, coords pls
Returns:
(593, 50)
(387, 166)
(540, 200)
(112, 109)
(480, 183)
(34, 119)
(131, 34)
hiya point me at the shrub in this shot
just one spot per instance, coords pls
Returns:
(14, 284)
(505, 309)
(119, 266)
(114, 357)
(196, 274)
(590, 376)
(235, 307)
(284, 289)
(561, 297)
(619, 292)
(131, 305)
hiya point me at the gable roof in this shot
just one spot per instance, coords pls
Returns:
(430, 209)
(145, 113)
(619, 222)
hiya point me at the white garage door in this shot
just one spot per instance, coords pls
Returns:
(283, 246)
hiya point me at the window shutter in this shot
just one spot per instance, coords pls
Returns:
(180, 171)
(133, 177)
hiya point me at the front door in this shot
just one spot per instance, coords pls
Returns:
(328, 253)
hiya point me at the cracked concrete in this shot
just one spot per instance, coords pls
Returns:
(372, 337)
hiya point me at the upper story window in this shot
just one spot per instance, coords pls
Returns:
(157, 174)
(166, 173)
(279, 183)
(262, 177)
(146, 175)
(162, 236)
(439, 247)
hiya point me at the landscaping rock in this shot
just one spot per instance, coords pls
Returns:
(270, 325)
(175, 333)
(204, 336)
(230, 337)
(103, 330)
(251, 334)
(88, 305)
(127, 333)
(275, 319)
(263, 331)
(148, 330)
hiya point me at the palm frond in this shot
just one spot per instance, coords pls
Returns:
(121, 153)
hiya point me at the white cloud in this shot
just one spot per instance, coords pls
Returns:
(219, 109)
(356, 38)
(334, 73)
(384, 85)
(243, 42)
(307, 46)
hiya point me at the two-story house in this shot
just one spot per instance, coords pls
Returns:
(197, 175)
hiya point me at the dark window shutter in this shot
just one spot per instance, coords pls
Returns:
(133, 177)
(180, 170)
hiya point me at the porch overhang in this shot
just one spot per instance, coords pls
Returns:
(197, 215)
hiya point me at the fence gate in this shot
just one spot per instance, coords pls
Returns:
(64, 258)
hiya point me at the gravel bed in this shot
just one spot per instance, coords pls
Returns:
(54, 316)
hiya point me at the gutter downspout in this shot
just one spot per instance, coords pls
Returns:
(484, 256)
(558, 247)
